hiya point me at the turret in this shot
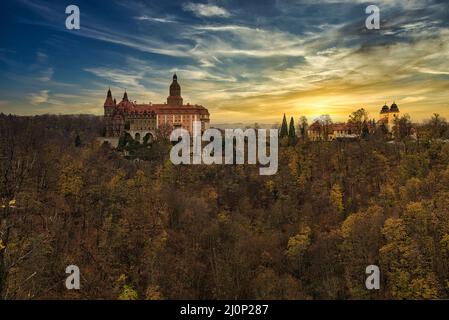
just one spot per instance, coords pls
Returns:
(109, 104)
(394, 111)
(125, 96)
(394, 108)
(384, 109)
(174, 97)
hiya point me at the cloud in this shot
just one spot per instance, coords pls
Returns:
(206, 10)
(122, 77)
(41, 57)
(303, 57)
(155, 19)
(39, 97)
(46, 75)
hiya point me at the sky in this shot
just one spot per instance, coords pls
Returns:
(245, 60)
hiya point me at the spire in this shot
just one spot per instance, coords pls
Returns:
(109, 102)
(125, 96)
(175, 77)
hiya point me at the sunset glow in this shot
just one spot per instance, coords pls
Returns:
(298, 57)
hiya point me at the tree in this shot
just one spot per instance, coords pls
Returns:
(325, 122)
(357, 119)
(402, 127)
(361, 241)
(336, 198)
(438, 126)
(291, 129)
(298, 244)
(381, 131)
(291, 133)
(284, 128)
(303, 125)
(365, 131)
(407, 257)
(77, 141)
(137, 227)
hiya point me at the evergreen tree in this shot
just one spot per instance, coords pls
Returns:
(291, 129)
(77, 140)
(292, 133)
(284, 129)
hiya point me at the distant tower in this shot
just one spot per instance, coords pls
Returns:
(174, 97)
(388, 115)
(109, 109)
(109, 104)
(394, 112)
(125, 96)
(384, 111)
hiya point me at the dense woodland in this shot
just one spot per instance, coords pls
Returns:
(147, 229)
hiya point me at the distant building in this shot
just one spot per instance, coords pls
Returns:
(338, 131)
(142, 120)
(331, 132)
(315, 131)
(388, 115)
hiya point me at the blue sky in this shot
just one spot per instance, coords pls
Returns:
(246, 61)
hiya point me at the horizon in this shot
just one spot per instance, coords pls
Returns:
(300, 58)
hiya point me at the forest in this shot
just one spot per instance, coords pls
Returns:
(139, 227)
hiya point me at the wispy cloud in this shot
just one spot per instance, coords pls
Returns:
(46, 74)
(125, 79)
(155, 19)
(304, 57)
(206, 10)
(39, 97)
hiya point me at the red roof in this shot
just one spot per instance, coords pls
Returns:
(339, 127)
(128, 106)
(316, 126)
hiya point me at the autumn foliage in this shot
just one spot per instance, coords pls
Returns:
(153, 230)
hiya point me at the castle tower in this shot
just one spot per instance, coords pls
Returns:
(109, 108)
(109, 104)
(125, 96)
(174, 97)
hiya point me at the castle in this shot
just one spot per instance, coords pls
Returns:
(142, 121)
